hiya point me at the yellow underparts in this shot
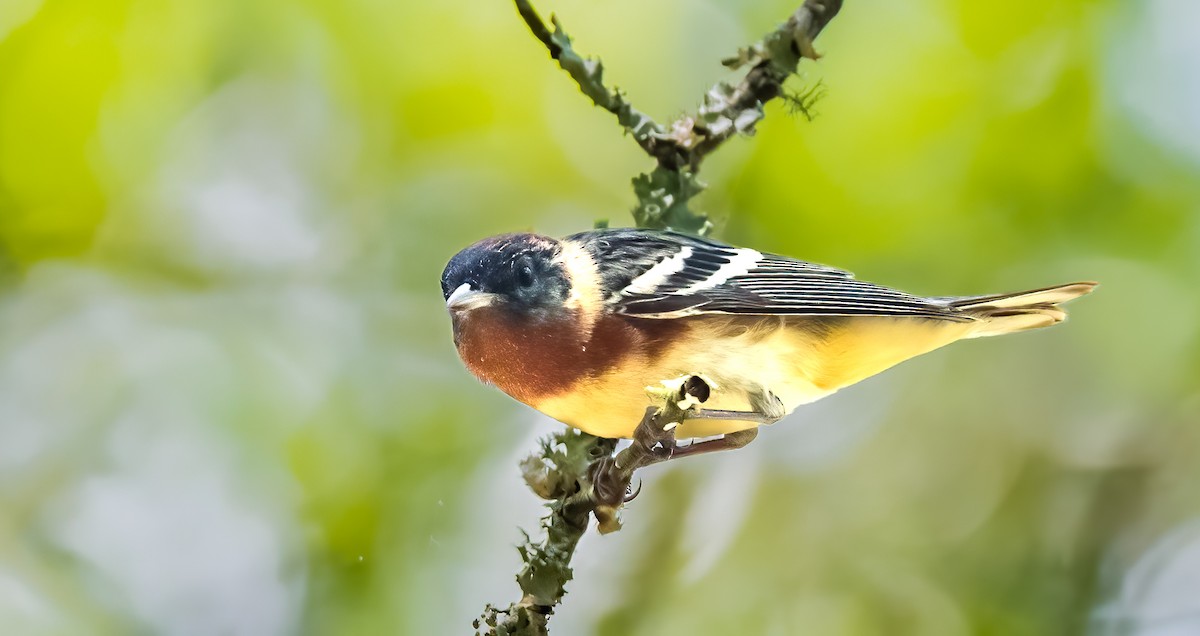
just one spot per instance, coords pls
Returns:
(798, 359)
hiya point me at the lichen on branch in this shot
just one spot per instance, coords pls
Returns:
(579, 477)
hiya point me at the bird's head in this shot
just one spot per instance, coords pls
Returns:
(519, 273)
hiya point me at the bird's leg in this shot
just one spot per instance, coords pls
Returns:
(722, 414)
(654, 440)
(728, 441)
(765, 408)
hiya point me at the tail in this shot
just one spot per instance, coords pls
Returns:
(1006, 313)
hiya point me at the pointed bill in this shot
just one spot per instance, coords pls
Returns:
(464, 298)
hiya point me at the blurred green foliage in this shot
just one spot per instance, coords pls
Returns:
(229, 402)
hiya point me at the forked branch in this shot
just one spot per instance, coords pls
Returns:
(726, 110)
(575, 472)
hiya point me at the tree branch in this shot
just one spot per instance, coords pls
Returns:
(727, 110)
(588, 73)
(579, 476)
(575, 472)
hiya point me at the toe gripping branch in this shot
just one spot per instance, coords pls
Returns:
(603, 487)
(579, 477)
(653, 442)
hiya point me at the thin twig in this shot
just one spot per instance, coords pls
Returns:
(588, 73)
(727, 110)
(664, 193)
(534, 21)
(773, 60)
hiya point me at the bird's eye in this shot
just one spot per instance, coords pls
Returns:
(525, 276)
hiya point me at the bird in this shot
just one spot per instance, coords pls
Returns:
(579, 327)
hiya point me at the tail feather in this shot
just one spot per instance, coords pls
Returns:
(1006, 313)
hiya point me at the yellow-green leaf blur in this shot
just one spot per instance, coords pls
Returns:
(230, 404)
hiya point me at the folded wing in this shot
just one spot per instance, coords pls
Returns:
(689, 276)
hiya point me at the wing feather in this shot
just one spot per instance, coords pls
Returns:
(718, 278)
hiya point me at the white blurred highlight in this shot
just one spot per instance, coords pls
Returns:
(1153, 67)
(1160, 593)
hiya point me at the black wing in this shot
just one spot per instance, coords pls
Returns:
(667, 275)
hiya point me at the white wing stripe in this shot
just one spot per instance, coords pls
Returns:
(741, 261)
(650, 281)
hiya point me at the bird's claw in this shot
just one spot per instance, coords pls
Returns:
(631, 493)
(603, 483)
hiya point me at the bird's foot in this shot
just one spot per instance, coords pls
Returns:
(728, 441)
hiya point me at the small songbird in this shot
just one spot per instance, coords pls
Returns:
(578, 328)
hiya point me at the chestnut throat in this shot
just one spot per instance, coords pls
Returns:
(533, 359)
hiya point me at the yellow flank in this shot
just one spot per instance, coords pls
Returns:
(798, 359)
(863, 346)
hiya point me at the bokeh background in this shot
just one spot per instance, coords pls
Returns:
(229, 403)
